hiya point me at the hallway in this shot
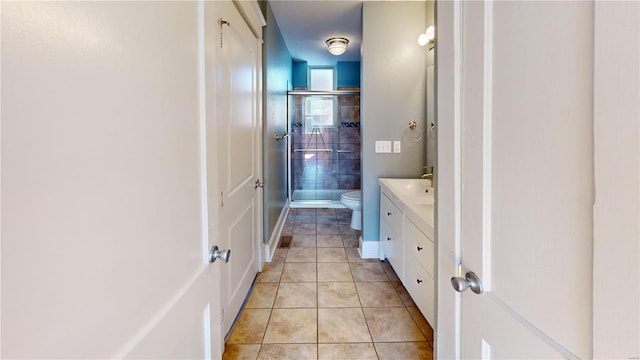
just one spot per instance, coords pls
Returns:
(318, 300)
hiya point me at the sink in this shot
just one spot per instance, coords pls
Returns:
(413, 191)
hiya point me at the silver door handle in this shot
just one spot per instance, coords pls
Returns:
(471, 280)
(216, 254)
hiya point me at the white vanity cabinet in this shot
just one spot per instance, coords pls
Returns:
(404, 242)
(392, 233)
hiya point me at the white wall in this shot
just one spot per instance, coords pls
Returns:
(392, 94)
(101, 183)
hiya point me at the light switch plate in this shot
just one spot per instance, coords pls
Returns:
(396, 147)
(383, 147)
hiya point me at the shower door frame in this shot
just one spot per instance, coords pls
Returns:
(290, 190)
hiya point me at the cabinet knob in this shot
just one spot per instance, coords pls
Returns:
(418, 281)
(419, 248)
(388, 214)
(388, 238)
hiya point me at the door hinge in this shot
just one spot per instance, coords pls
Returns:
(221, 199)
(222, 22)
(258, 184)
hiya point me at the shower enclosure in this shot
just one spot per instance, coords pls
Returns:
(324, 148)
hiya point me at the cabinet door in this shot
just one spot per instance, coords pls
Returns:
(418, 244)
(420, 286)
(391, 245)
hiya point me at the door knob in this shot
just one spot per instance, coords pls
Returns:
(471, 280)
(216, 254)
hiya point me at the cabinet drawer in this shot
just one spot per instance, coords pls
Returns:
(392, 246)
(390, 213)
(420, 246)
(421, 287)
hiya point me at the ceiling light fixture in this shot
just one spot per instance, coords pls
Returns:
(337, 45)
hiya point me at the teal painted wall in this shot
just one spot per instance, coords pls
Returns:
(300, 78)
(348, 74)
(277, 80)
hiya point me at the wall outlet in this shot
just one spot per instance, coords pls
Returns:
(383, 147)
(396, 147)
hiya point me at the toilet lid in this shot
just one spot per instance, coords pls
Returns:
(352, 195)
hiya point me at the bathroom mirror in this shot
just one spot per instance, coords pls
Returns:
(430, 121)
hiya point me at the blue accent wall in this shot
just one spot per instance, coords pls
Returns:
(277, 81)
(348, 74)
(300, 78)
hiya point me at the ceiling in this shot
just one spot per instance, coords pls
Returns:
(306, 25)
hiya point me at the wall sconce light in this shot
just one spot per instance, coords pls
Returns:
(337, 45)
(428, 37)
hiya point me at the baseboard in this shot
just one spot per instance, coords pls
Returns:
(274, 240)
(369, 249)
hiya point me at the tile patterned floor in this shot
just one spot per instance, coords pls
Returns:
(319, 300)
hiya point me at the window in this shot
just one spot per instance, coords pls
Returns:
(319, 110)
(321, 79)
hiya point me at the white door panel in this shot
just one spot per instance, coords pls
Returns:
(526, 171)
(104, 218)
(238, 143)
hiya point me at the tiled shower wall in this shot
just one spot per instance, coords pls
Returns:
(336, 169)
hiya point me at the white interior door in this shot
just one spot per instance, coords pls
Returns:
(239, 144)
(104, 236)
(525, 166)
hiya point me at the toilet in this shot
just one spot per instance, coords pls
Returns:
(353, 200)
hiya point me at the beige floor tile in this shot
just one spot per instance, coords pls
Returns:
(301, 254)
(403, 293)
(303, 240)
(328, 228)
(338, 294)
(299, 272)
(304, 228)
(326, 219)
(326, 212)
(271, 272)
(293, 326)
(423, 324)
(353, 351)
(392, 324)
(354, 256)
(241, 352)
(340, 325)
(378, 294)
(334, 272)
(329, 241)
(368, 271)
(262, 295)
(297, 295)
(250, 327)
(305, 219)
(350, 242)
(404, 350)
(280, 255)
(347, 230)
(287, 229)
(288, 352)
(391, 273)
(333, 255)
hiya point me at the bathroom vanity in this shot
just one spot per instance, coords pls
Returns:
(406, 237)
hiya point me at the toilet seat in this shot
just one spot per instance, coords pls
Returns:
(352, 195)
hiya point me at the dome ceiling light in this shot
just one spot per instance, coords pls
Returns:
(337, 45)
